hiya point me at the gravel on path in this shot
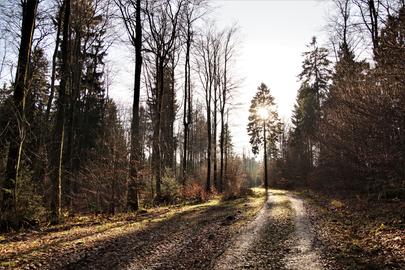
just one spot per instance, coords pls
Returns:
(280, 237)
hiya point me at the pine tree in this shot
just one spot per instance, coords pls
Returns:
(86, 99)
(264, 124)
(37, 100)
(263, 98)
(316, 71)
(315, 78)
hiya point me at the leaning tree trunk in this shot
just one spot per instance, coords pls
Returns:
(17, 122)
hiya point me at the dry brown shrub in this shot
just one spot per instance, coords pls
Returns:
(195, 192)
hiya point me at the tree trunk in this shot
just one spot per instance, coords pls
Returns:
(157, 156)
(266, 180)
(75, 89)
(209, 136)
(187, 105)
(17, 123)
(226, 147)
(135, 155)
(57, 153)
(222, 150)
(172, 118)
(218, 187)
(53, 73)
(168, 117)
(113, 180)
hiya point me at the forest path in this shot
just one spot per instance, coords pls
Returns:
(189, 239)
(238, 233)
(280, 237)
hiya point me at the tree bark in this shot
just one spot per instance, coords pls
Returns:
(57, 153)
(75, 89)
(53, 73)
(157, 155)
(226, 146)
(135, 155)
(187, 104)
(222, 151)
(17, 123)
(266, 180)
(217, 184)
(209, 136)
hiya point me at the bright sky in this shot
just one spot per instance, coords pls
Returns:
(274, 34)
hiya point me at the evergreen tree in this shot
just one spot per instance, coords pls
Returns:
(264, 125)
(315, 78)
(316, 73)
(263, 99)
(37, 100)
(86, 99)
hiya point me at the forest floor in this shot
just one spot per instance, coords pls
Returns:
(289, 231)
(175, 237)
(356, 232)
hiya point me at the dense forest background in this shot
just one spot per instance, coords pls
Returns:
(66, 147)
(347, 130)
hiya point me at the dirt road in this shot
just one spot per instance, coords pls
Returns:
(235, 234)
(280, 237)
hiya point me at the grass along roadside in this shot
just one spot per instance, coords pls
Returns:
(86, 232)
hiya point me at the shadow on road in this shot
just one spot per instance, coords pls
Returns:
(186, 240)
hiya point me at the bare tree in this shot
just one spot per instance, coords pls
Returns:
(131, 16)
(192, 12)
(370, 14)
(206, 73)
(227, 85)
(214, 53)
(163, 17)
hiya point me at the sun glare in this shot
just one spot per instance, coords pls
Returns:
(263, 113)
